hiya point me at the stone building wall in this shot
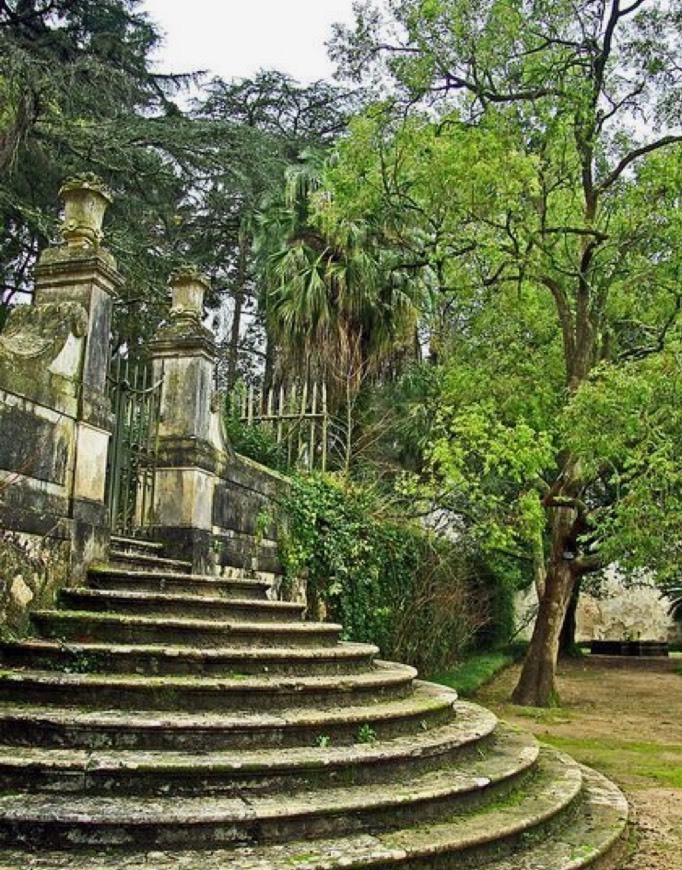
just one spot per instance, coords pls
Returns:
(633, 611)
(621, 611)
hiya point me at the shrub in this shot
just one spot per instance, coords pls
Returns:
(422, 599)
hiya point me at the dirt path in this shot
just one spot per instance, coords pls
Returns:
(626, 723)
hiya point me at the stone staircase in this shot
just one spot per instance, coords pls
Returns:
(162, 719)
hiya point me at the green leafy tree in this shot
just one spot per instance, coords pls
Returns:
(546, 159)
(333, 300)
(261, 126)
(79, 94)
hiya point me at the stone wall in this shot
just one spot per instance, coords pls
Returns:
(244, 531)
(37, 456)
(32, 570)
(54, 414)
(632, 611)
(621, 611)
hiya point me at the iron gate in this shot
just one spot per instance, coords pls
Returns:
(133, 450)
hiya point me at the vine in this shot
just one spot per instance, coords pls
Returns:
(420, 598)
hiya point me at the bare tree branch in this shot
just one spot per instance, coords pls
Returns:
(635, 155)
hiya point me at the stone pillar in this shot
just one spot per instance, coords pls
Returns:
(83, 273)
(191, 453)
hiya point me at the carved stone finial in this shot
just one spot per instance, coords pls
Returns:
(188, 286)
(85, 200)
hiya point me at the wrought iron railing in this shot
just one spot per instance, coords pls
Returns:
(133, 450)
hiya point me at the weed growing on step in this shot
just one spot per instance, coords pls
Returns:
(323, 741)
(366, 734)
(82, 663)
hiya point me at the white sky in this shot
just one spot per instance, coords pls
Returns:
(236, 38)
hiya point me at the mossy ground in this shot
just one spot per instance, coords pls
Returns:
(475, 671)
(626, 723)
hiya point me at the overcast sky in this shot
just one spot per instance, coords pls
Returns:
(236, 38)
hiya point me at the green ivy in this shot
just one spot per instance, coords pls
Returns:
(423, 600)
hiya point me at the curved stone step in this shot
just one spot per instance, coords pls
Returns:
(590, 841)
(180, 606)
(388, 681)
(66, 821)
(467, 741)
(117, 578)
(429, 706)
(595, 837)
(71, 625)
(39, 654)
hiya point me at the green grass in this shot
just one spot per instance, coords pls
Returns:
(638, 762)
(472, 673)
(545, 715)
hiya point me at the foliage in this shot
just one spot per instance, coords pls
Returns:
(387, 582)
(332, 301)
(625, 425)
(261, 126)
(79, 95)
(255, 442)
(530, 157)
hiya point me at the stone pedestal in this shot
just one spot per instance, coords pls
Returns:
(81, 273)
(191, 453)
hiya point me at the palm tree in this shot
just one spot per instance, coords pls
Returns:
(333, 303)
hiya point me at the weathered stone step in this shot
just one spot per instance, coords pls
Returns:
(388, 681)
(67, 821)
(472, 733)
(113, 578)
(22, 725)
(120, 543)
(180, 606)
(198, 633)
(588, 842)
(38, 654)
(594, 838)
(147, 561)
(228, 572)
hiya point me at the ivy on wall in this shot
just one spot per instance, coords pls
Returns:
(422, 599)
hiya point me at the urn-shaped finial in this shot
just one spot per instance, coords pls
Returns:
(188, 286)
(85, 200)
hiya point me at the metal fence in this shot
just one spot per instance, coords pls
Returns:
(296, 415)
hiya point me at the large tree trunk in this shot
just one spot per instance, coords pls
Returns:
(567, 639)
(537, 683)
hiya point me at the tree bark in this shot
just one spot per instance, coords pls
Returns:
(537, 683)
(567, 638)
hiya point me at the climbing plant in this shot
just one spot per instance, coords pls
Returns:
(387, 581)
